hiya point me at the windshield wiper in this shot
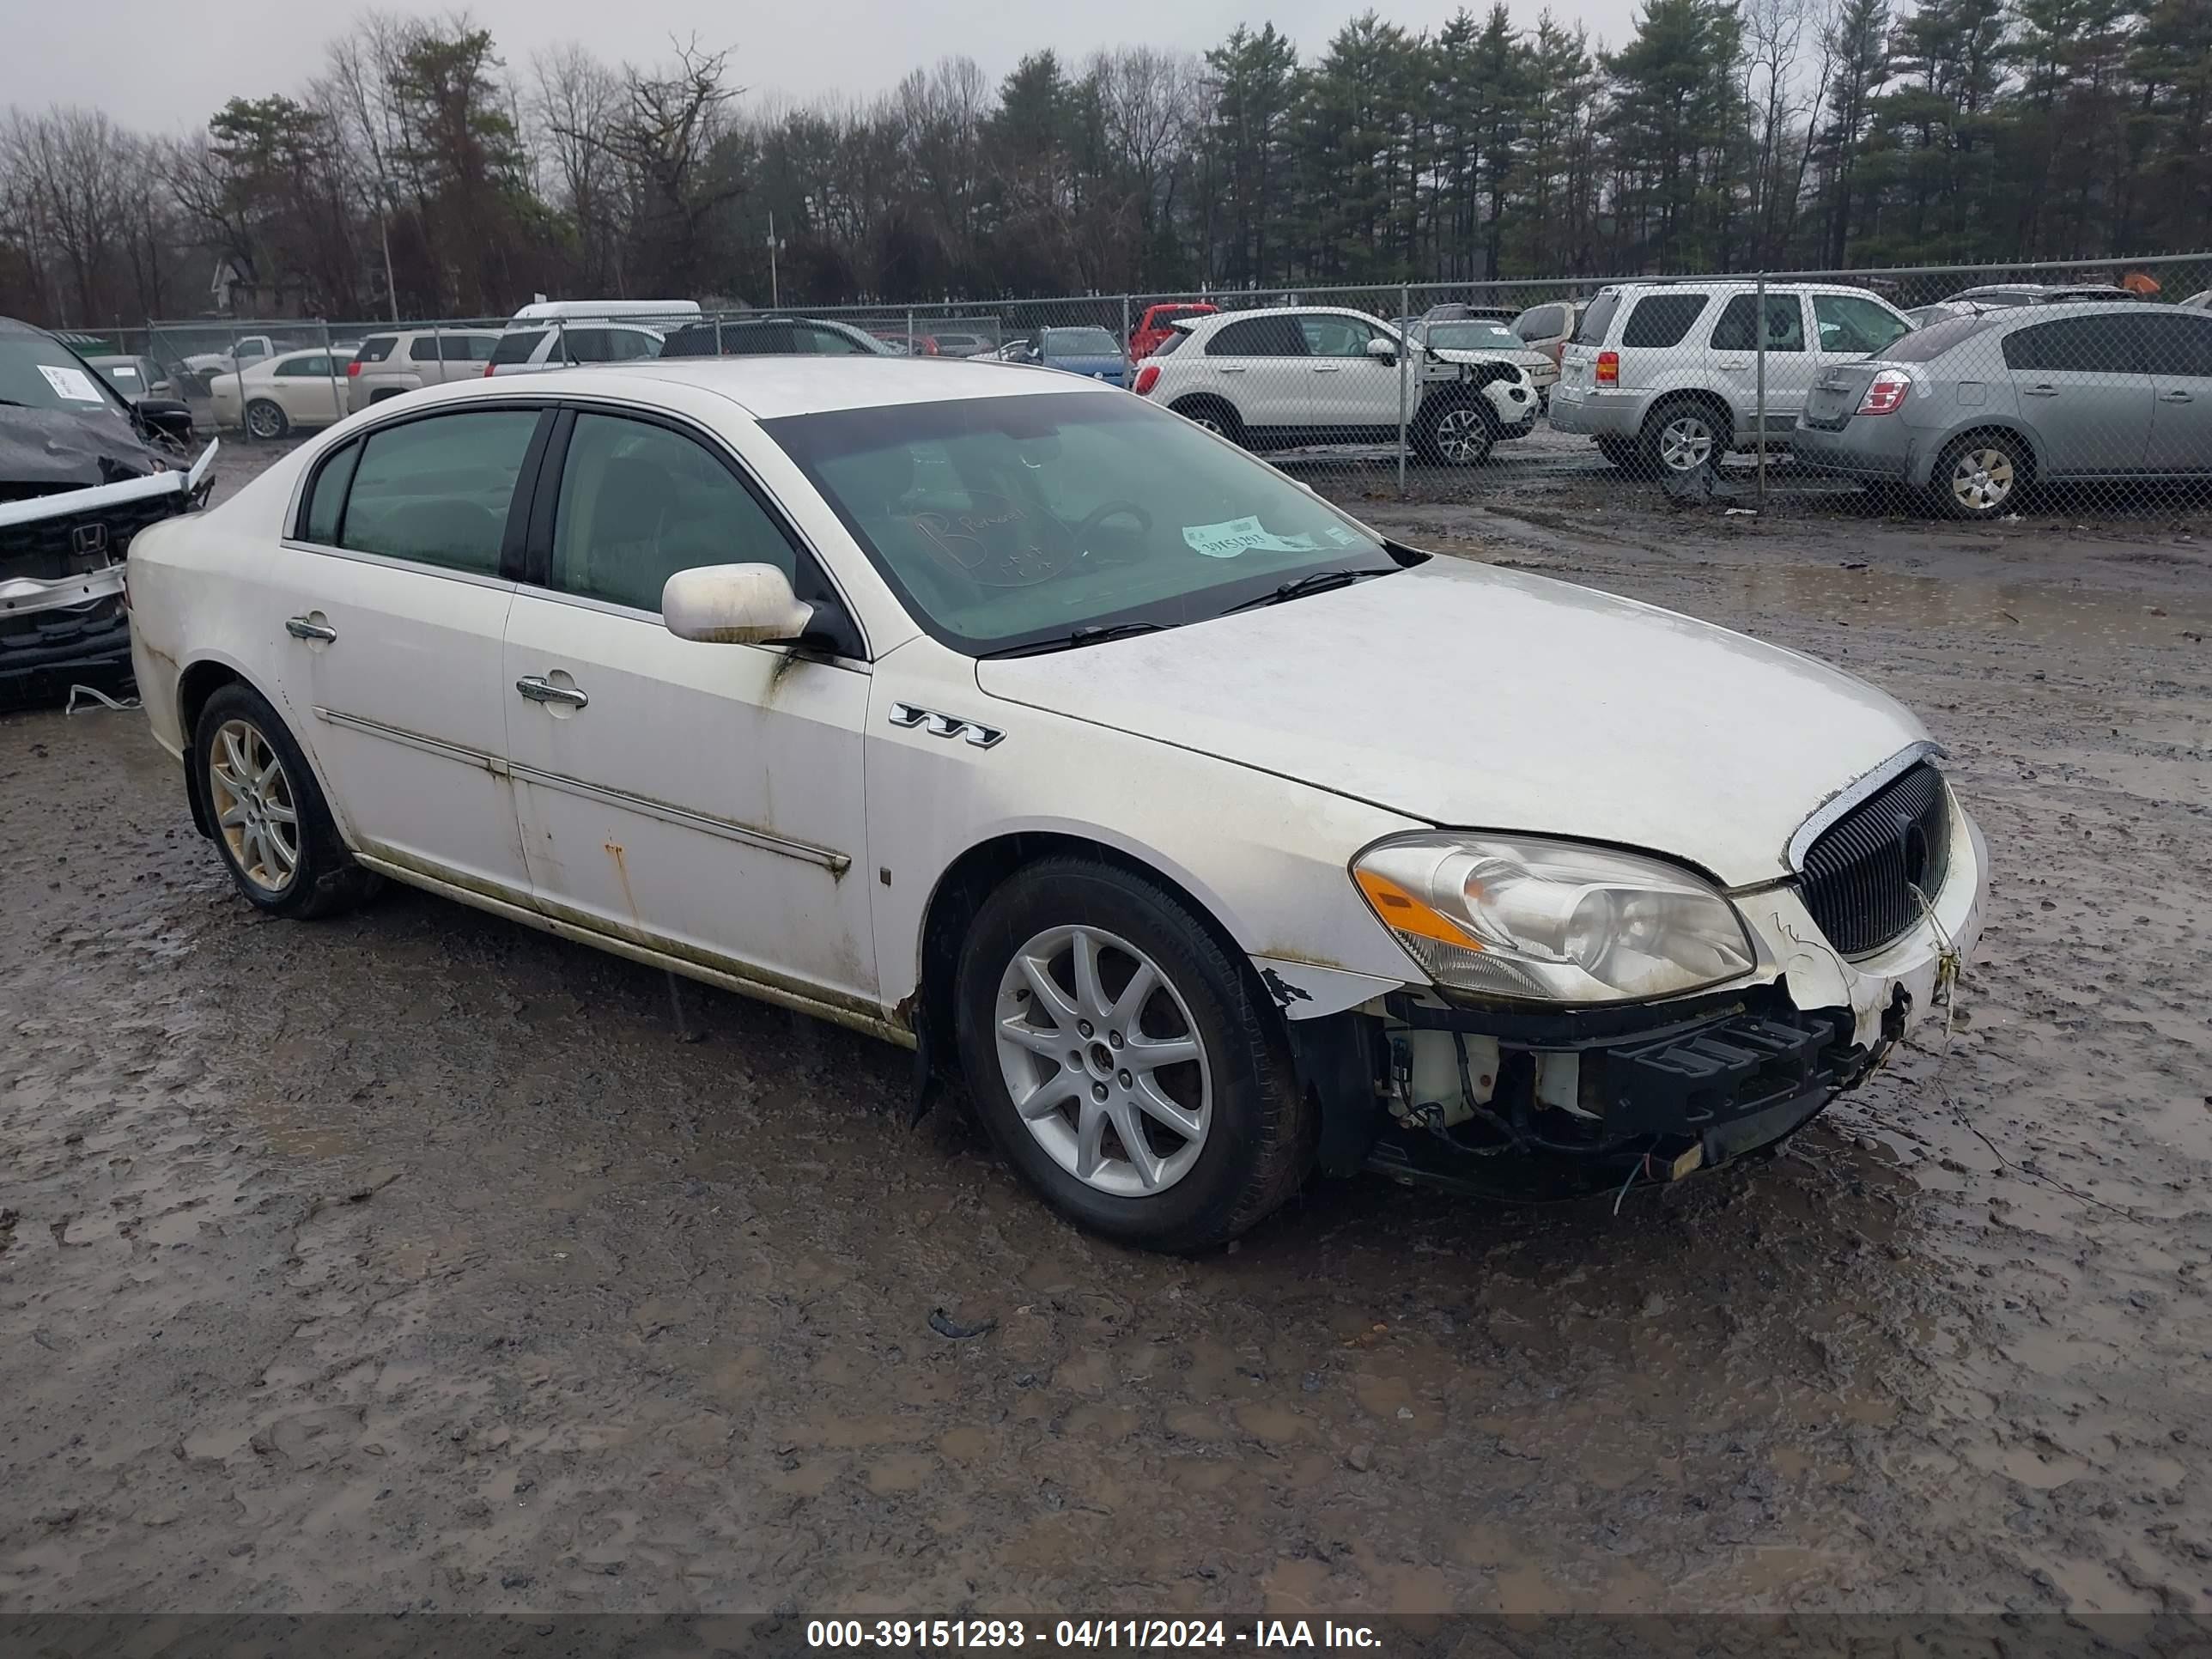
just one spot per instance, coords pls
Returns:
(1313, 581)
(1091, 634)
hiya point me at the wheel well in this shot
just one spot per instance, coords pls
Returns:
(378, 396)
(1712, 400)
(200, 682)
(2013, 434)
(971, 880)
(1206, 400)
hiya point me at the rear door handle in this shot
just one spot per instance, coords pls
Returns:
(1232, 369)
(305, 627)
(1329, 368)
(540, 690)
(2039, 391)
(2175, 396)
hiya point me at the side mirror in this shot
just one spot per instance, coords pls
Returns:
(169, 416)
(1383, 351)
(733, 605)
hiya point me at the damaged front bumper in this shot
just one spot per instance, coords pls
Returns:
(61, 569)
(1539, 1103)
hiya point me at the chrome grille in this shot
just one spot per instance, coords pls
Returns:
(1859, 875)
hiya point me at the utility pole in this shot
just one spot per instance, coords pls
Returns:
(775, 293)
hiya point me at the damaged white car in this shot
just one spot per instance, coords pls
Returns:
(82, 469)
(1210, 838)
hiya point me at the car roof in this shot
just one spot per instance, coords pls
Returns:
(770, 388)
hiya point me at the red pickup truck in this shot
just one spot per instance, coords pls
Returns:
(1153, 327)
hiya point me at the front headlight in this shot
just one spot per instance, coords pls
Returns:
(1548, 921)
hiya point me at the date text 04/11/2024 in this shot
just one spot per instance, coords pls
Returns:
(896, 1634)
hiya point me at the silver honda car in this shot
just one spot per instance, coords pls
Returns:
(1970, 411)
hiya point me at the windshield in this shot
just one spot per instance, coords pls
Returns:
(1473, 336)
(37, 373)
(1005, 521)
(1080, 342)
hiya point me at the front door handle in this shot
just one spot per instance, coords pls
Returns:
(306, 627)
(1232, 369)
(2176, 396)
(2039, 391)
(1329, 368)
(540, 690)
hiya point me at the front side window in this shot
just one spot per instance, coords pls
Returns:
(640, 503)
(1008, 522)
(2178, 345)
(437, 491)
(1335, 337)
(1851, 322)
(1738, 327)
(828, 342)
(1662, 319)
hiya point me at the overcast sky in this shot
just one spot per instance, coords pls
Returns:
(158, 65)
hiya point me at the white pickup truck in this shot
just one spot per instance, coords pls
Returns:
(244, 352)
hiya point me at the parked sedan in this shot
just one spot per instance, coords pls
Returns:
(1969, 412)
(292, 389)
(134, 377)
(1012, 718)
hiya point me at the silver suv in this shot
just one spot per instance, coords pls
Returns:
(1665, 375)
(389, 364)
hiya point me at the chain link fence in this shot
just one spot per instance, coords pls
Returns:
(1957, 389)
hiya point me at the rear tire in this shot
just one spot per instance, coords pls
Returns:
(1980, 476)
(1216, 416)
(272, 828)
(1071, 969)
(1685, 436)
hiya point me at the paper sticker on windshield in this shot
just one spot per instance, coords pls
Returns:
(1226, 541)
(1340, 536)
(71, 383)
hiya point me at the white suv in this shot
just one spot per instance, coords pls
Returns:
(526, 348)
(1320, 375)
(1665, 375)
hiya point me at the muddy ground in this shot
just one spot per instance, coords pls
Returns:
(411, 1261)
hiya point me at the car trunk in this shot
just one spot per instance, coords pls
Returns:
(1836, 395)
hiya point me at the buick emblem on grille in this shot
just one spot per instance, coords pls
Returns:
(88, 539)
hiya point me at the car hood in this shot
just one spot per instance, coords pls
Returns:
(46, 449)
(1468, 696)
(1531, 361)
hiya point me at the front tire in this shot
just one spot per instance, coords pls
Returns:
(272, 827)
(1126, 1064)
(1455, 433)
(265, 421)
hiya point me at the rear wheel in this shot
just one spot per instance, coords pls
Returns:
(1123, 1060)
(265, 419)
(1214, 415)
(1685, 436)
(271, 825)
(1979, 476)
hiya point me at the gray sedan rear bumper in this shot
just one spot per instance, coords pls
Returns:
(1880, 449)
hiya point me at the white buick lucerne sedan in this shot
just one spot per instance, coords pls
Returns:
(1206, 835)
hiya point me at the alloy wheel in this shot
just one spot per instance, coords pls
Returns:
(265, 421)
(1103, 1061)
(1982, 478)
(1685, 443)
(255, 809)
(1461, 439)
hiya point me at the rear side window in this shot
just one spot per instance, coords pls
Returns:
(760, 340)
(1737, 328)
(1259, 337)
(1662, 319)
(518, 347)
(1596, 319)
(1540, 322)
(2095, 346)
(376, 347)
(423, 348)
(470, 347)
(328, 500)
(437, 491)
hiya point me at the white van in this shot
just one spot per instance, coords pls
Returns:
(546, 311)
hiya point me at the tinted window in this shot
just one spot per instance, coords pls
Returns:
(2177, 345)
(375, 348)
(1542, 322)
(1335, 337)
(1596, 319)
(828, 342)
(1735, 330)
(316, 367)
(2094, 345)
(1258, 337)
(640, 503)
(423, 348)
(1926, 344)
(626, 346)
(329, 497)
(1851, 322)
(758, 340)
(1662, 319)
(585, 345)
(518, 347)
(437, 491)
